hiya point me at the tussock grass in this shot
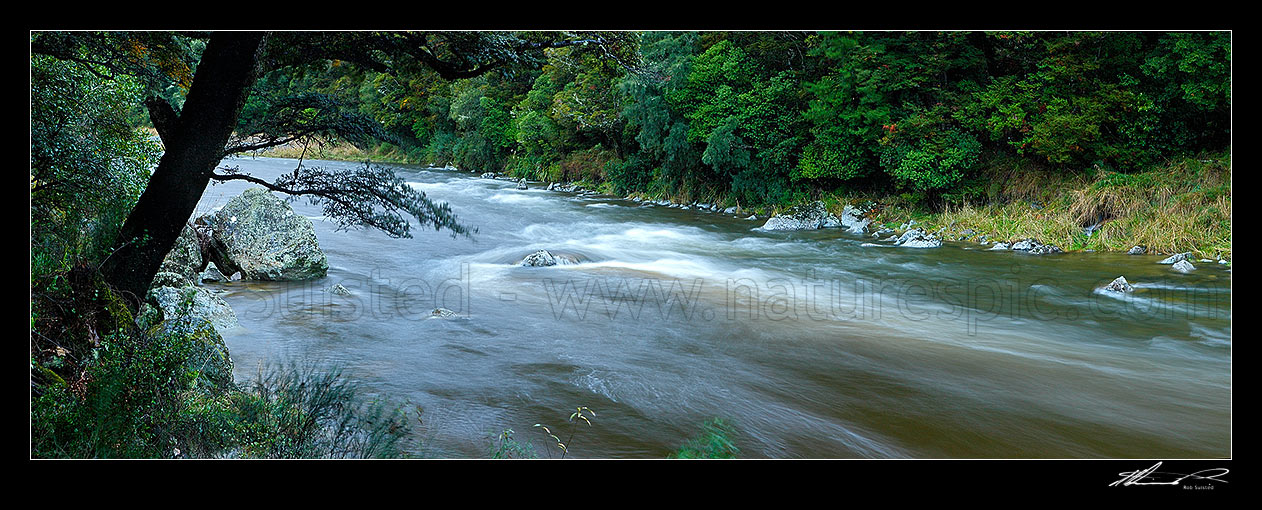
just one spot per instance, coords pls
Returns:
(1182, 206)
(336, 151)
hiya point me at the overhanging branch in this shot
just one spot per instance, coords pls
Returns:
(362, 197)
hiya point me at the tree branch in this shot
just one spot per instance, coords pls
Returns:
(363, 197)
(270, 142)
(164, 118)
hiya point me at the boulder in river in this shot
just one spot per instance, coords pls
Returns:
(1119, 285)
(918, 238)
(803, 217)
(441, 313)
(999, 247)
(339, 290)
(261, 236)
(1183, 266)
(1175, 258)
(567, 188)
(1034, 247)
(852, 219)
(488, 175)
(1137, 250)
(540, 258)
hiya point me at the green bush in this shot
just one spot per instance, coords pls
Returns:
(932, 163)
(103, 386)
(714, 442)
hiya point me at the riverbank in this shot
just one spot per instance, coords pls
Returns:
(1182, 206)
(337, 151)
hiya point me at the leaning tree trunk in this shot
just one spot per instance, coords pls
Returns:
(195, 145)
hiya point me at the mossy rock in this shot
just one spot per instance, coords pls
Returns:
(260, 235)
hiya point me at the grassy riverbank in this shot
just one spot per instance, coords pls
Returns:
(1184, 205)
(338, 151)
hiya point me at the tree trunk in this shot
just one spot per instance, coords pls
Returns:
(224, 76)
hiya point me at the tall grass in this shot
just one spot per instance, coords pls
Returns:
(1182, 206)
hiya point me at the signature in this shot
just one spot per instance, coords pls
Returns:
(1151, 476)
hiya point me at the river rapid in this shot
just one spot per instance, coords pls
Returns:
(810, 343)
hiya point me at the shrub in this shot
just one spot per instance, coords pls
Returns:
(933, 163)
(714, 442)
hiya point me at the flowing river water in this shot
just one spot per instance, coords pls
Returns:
(809, 343)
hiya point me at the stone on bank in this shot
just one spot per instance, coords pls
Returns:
(803, 217)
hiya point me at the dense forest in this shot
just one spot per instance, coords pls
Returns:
(970, 125)
(770, 118)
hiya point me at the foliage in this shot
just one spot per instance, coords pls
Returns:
(88, 165)
(756, 118)
(581, 413)
(714, 442)
(765, 119)
(136, 396)
(935, 162)
(503, 446)
(296, 412)
(369, 196)
(126, 403)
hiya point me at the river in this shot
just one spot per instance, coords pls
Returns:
(809, 343)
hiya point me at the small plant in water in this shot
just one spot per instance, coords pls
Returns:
(574, 418)
(714, 442)
(503, 446)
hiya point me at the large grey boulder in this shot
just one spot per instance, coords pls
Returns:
(803, 217)
(1137, 250)
(521, 184)
(209, 357)
(196, 314)
(261, 236)
(918, 238)
(1119, 285)
(197, 303)
(1183, 266)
